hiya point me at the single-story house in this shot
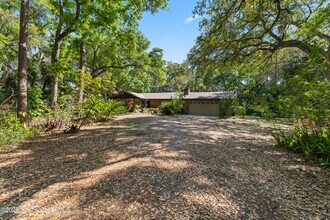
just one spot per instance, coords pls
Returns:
(196, 103)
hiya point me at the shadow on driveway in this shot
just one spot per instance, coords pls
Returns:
(152, 167)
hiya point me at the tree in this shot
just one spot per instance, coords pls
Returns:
(22, 106)
(122, 56)
(156, 68)
(67, 23)
(177, 76)
(9, 34)
(72, 15)
(236, 30)
(96, 38)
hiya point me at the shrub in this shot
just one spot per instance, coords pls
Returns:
(240, 110)
(36, 105)
(11, 130)
(306, 98)
(67, 103)
(167, 108)
(253, 111)
(101, 109)
(312, 144)
(227, 107)
(175, 106)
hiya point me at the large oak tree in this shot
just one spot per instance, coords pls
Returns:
(240, 29)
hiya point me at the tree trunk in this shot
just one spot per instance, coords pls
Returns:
(55, 56)
(22, 107)
(82, 70)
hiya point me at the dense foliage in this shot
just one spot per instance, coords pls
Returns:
(36, 105)
(233, 30)
(115, 55)
(12, 130)
(275, 55)
(69, 53)
(99, 109)
(175, 106)
(231, 107)
(312, 144)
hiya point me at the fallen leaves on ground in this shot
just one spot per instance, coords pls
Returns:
(161, 167)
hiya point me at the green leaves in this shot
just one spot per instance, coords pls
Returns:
(312, 144)
(36, 105)
(122, 54)
(99, 109)
(11, 130)
(235, 30)
(175, 106)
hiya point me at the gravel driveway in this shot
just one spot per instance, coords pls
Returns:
(160, 167)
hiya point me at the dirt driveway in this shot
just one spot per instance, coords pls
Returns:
(151, 167)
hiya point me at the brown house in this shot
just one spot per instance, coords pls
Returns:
(196, 103)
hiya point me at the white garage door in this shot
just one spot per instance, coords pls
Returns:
(204, 108)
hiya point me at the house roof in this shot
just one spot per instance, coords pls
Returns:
(209, 95)
(190, 96)
(162, 95)
(138, 95)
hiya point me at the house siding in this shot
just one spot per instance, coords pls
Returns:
(155, 103)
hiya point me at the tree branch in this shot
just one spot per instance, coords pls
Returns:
(70, 28)
(295, 43)
(277, 38)
(278, 13)
(7, 99)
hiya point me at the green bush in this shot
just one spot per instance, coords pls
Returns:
(67, 103)
(11, 130)
(175, 106)
(99, 109)
(306, 99)
(240, 110)
(167, 108)
(312, 144)
(227, 107)
(36, 105)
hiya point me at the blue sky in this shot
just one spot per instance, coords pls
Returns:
(174, 30)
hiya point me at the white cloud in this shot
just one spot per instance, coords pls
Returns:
(191, 19)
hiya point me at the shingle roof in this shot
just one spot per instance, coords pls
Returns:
(162, 95)
(138, 95)
(191, 95)
(210, 95)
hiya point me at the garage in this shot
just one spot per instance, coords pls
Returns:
(204, 108)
